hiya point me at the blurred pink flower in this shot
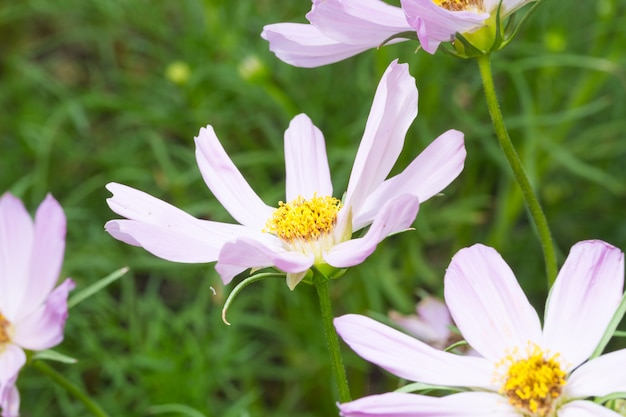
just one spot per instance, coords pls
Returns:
(312, 228)
(431, 323)
(32, 311)
(524, 368)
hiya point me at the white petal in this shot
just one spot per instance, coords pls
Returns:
(303, 45)
(411, 359)
(585, 409)
(16, 242)
(395, 216)
(598, 377)
(487, 304)
(250, 253)
(583, 300)
(227, 184)
(396, 404)
(433, 170)
(47, 257)
(43, 328)
(363, 22)
(305, 160)
(392, 112)
(165, 230)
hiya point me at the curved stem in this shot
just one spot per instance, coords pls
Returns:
(68, 386)
(336, 361)
(536, 213)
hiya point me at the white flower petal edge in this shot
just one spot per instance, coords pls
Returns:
(364, 22)
(599, 377)
(487, 304)
(226, 182)
(408, 358)
(432, 171)
(395, 404)
(16, 242)
(249, 253)
(165, 230)
(393, 110)
(11, 361)
(585, 409)
(583, 299)
(340, 29)
(395, 216)
(306, 163)
(303, 45)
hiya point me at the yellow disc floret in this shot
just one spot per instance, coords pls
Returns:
(5, 327)
(304, 220)
(459, 5)
(534, 383)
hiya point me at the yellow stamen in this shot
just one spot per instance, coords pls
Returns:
(534, 383)
(459, 5)
(304, 220)
(4, 330)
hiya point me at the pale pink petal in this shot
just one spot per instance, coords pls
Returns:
(250, 253)
(226, 182)
(487, 304)
(435, 24)
(303, 45)
(396, 404)
(431, 324)
(12, 358)
(10, 401)
(368, 22)
(43, 328)
(580, 408)
(16, 242)
(165, 230)
(393, 110)
(306, 162)
(411, 359)
(432, 171)
(598, 377)
(583, 300)
(47, 257)
(395, 216)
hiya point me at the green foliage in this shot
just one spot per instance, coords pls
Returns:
(87, 100)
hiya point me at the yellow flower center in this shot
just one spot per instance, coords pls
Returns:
(5, 327)
(459, 5)
(304, 220)
(534, 383)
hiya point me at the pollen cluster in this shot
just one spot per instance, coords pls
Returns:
(534, 383)
(304, 220)
(459, 5)
(4, 330)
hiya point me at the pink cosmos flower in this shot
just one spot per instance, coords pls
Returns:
(32, 311)
(526, 369)
(312, 228)
(339, 29)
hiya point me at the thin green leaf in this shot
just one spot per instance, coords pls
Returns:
(96, 287)
(52, 355)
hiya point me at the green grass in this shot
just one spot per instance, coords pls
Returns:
(86, 101)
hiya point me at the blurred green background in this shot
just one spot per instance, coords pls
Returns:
(115, 90)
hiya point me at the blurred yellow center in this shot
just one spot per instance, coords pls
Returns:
(304, 220)
(459, 5)
(4, 330)
(532, 384)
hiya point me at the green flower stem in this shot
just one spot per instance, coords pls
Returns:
(336, 361)
(45, 369)
(536, 213)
